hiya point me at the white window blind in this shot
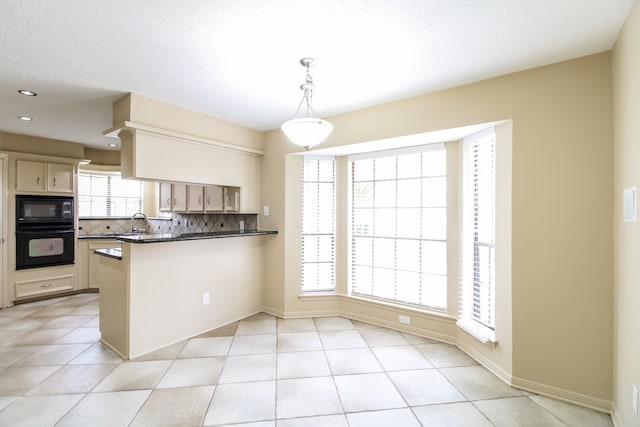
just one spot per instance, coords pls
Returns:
(108, 195)
(399, 226)
(479, 229)
(318, 225)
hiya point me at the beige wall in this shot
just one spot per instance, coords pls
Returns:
(102, 157)
(626, 107)
(561, 211)
(43, 146)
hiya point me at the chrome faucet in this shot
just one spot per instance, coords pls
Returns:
(139, 215)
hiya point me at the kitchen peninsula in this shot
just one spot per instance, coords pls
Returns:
(160, 289)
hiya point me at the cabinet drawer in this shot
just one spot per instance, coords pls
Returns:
(32, 288)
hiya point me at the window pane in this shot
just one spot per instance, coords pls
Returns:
(409, 193)
(434, 223)
(385, 194)
(434, 192)
(434, 163)
(434, 290)
(363, 251)
(384, 253)
(363, 170)
(409, 166)
(385, 222)
(434, 257)
(385, 168)
(318, 225)
(406, 222)
(363, 194)
(408, 255)
(384, 283)
(363, 222)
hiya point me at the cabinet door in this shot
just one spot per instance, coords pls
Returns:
(165, 197)
(94, 260)
(31, 176)
(213, 198)
(59, 178)
(232, 199)
(179, 195)
(194, 198)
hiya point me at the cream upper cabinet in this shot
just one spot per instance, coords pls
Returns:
(213, 198)
(195, 202)
(179, 197)
(232, 199)
(165, 197)
(42, 177)
(60, 178)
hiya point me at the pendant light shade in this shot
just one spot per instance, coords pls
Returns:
(307, 131)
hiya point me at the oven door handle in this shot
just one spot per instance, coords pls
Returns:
(31, 232)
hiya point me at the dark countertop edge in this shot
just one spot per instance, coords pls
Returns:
(98, 236)
(159, 238)
(115, 253)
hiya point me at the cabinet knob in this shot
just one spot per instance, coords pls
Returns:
(168, 201)
(199, 200)
(48, 285)
(38, 181)
(54, 182)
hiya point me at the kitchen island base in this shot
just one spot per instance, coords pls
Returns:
(158, 294)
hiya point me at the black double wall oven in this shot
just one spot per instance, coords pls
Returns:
(45, 233)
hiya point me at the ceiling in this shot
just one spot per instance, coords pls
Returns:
(238, 59)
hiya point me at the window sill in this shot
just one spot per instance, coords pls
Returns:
(478, 331)
(317, 295)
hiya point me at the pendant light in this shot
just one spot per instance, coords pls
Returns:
(307, 131)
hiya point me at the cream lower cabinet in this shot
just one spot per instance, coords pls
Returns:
(40, 287)
(87, 261)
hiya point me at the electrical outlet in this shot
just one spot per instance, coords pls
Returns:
(265, 210)
(634, 400)
(404, 319)
(205, 298)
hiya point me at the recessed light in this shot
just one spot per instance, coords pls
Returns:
(26, 92)
(25, 118)
(113, 145)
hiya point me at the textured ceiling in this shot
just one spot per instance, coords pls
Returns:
(238, 59)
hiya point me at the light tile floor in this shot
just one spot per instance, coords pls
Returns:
(260, 372)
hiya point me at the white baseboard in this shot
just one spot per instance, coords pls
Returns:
(487, 363)
(401, 328)
(562, 394)
(615, 416)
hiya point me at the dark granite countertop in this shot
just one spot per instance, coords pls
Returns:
(112, 236)
(156, 238)
(115, 253)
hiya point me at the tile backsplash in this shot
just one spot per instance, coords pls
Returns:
(178, 223)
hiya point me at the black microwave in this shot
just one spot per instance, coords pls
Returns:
(44, 210)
